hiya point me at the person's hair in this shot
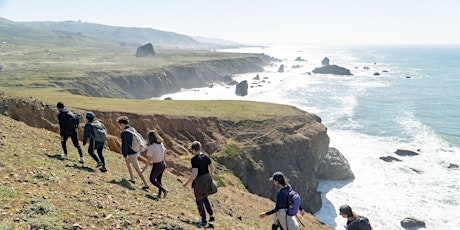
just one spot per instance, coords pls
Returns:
(60, 105)
(346, 209)
(123, 120)
(154, 137)
(196, 145)
(282, 180)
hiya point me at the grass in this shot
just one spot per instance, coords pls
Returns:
(41, 190)
(224, 109)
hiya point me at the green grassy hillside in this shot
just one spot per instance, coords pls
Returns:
(41, 190)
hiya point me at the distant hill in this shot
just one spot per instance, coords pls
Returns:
(75, 32)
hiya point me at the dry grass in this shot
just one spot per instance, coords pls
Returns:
(40, 190)
(226, 110)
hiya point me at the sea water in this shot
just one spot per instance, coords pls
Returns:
(413, 104)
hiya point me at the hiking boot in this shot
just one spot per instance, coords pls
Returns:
(64, 155)
(202, 222)
(211, 219)
(103, 169)
(82, 160)
(99, 164)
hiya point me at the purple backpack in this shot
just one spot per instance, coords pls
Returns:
(293, 201)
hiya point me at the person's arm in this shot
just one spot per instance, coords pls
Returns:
(281, 200)
(150, 152)
(211, 169)
(192, 177)
(124, 143)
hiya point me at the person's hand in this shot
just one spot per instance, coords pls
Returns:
(302, 212)
(262, 215)
(184, 184)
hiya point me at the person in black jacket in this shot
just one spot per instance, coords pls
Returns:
(68, 128)
(280, 216)
(89, 135)
(353, 219)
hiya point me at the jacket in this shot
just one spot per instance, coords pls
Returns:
(126, 142)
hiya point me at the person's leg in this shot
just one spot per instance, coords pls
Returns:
(76, 144)
(291, 223)
(157, 170)
(130, 170)
(91, 151)
(63, 144)
(135, 164)
(101, 156)
(281, 218)
(208, 207)
(199, 203)
(159, 177)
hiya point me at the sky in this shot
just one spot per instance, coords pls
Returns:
(263, 21)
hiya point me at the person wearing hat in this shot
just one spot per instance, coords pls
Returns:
(353, 219)
(280, 216)
(67, 128)
(89, 135)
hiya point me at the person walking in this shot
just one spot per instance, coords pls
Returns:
(280, 215)
(156, 153)
(354, 221)
(201, 178)
(89, 134)
(68, 128)
(128, 153)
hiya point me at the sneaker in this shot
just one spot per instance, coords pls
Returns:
(165, 192)
(211, 219)
(81, 160)
(145, 187)
(99, 164)
(64, 155)
(132, 181)
(203, 222)
(103, 169)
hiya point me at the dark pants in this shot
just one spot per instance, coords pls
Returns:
(201, 203)
(74, 139)
(99, 146)
(156, 174)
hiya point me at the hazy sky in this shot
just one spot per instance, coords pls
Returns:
(263, 21)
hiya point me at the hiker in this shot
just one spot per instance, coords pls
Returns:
(128, 153)
(68, 128)
(281, 217)
(354, 221)
(156, 153)
(201, 177)
(98, 145)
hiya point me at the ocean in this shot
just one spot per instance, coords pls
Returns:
(413, 104)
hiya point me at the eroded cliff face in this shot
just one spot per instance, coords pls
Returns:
(157, 82)
(293, 145)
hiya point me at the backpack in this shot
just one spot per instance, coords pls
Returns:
(139, 144)
(100, 132)
(293, 201)
(363, 223)
(74, 119)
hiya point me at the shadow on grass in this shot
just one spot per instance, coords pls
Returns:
(56, 156)
(83, 167)
(123, 183)
(197, 224)
(151, 197)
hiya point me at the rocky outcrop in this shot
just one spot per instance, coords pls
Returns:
(281, 69)
(145, 50)
(403, 152)
(334, 166)
(242, 88)
(332, 69)
(412, 223)
(294, 145)
(326, 68)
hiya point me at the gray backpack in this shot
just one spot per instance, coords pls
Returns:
(100, 132)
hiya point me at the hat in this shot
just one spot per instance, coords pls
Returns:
(60, 105)
(277, 176)
(89, 115)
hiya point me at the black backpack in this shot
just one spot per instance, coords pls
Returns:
(74, 119)
(362, 223)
